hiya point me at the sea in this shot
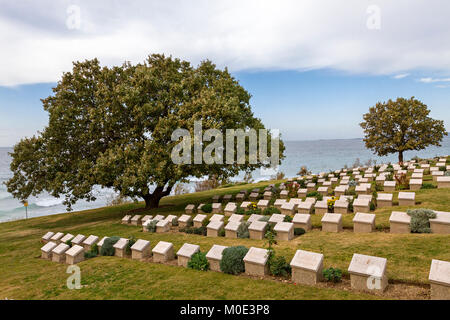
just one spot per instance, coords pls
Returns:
(317, 156)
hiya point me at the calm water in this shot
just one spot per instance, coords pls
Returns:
(319, 155)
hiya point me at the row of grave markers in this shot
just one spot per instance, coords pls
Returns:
(367, 273)
(331, 222)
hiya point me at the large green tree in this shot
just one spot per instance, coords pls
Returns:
(112, 126)
(401, 125)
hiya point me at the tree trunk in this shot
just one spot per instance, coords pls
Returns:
(152, 200)
(400, 157)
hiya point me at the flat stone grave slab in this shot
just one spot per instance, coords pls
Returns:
(332, 222)
(256, 262)
(276, 217)
(257, 229)
(384, 200)
(163, 226)
(46, 250)
(321, 207)
(415, 184)
(245, 204)
(302, 220)
(406, 198)
(262, 204)
(89, 242)
(399, 222)
(136, 220)
(184, 220)
(305, 207)
(126, 219)
(230, 208)
(185, 253)
(341, 206)
(231, 229)
(140, 249)
(279, 202)
(363, 222)
(389, 186)
(443, 182)
(361, 205)
(236, 217)
(67, 237)
(288, 208)
(302, 192)
(217, 217)
(146, 217)
(78, 239)
(120, 248)
(100, 243)
(213, 228)
(59, 253)
(172, 219)
(253, 196)
(284, 194)
(254, 217)
(439, 278)
(284, 230)
(159, 217)
(214, 257)
(75, 254)
(190, 208)
(368, 273)
(46, 237)
(216, 208)
(163, 252)
(307, 267)
(440, 224)
(198, 220)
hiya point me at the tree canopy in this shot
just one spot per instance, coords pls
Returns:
(401, 125)
(112, 126)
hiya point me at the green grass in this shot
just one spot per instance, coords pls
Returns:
(26, 276)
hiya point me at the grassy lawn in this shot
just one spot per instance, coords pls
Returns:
(25, 276)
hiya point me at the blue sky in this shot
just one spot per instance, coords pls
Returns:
(313, 67)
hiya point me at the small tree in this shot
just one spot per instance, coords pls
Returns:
(401, 125)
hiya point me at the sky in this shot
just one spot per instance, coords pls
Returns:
(313, 67)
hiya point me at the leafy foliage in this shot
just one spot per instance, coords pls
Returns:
(401, 125)
(112, 127)
(198, 262)
(242, 231)
(420, 220)
(332, 275)
(151, 226)
(207, 208)
(107, 247)
(279, 266)
(233, 260)
(299, 231)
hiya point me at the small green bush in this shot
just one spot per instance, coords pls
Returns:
(207, 208)
(233, 260)
(107, 247)
(271, 210)
(442, 168)
(265, 218)
(242, 231)
(240, 211)
(221, 232)
(69, 243)
(131, 242)
(299, 231)
(92, 253)
(287, 219)
(420, 220)
(428, 186)
(151, 226)
(198, 262)
(332, 275)
(278, 266)
(200, 231)
(315, 194)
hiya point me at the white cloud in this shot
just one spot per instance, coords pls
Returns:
(401, 76)
(432, 80)
(37, 46)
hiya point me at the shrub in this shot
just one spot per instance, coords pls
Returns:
(107, 247)
(287, 219)
(316, 195)
(420, 220)
(271, 210)
(299, 231)
(151, 226)
(240, 211)
(221, 232)
(442, 168)
(92, 253)
(242, 231)
(372, 206)
(69, 243)
(428, 186)
(332, 275)
(278, 266)
(233, 260)
(352, 183)
(198, 262)
(200, 231)
(131, 242)
(265, 218)
(207, 208)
